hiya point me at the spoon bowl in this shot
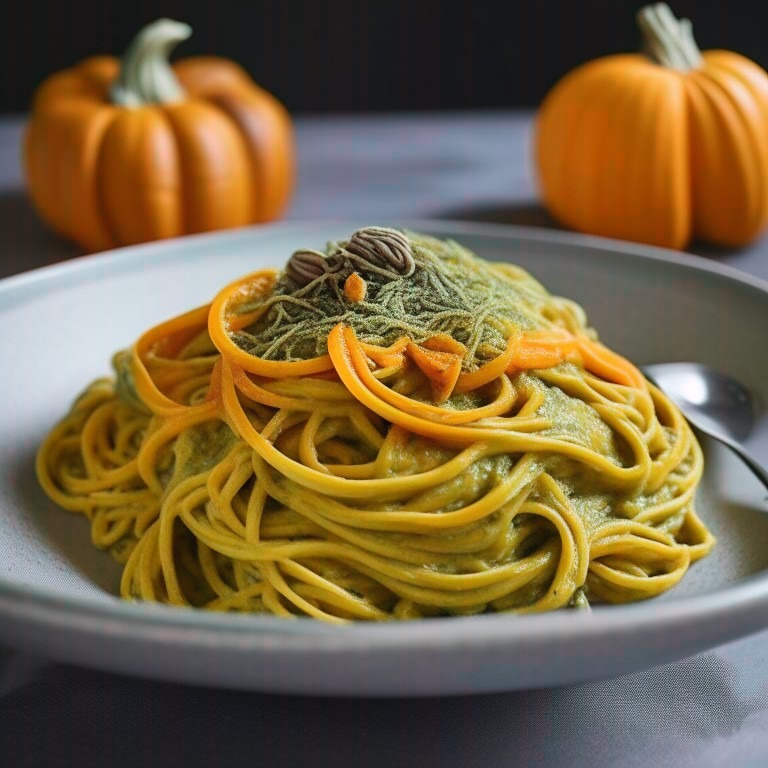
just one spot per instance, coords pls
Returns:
(713, 402)
(707, 396)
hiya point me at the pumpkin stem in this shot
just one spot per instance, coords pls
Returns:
(667, 40)
(145, 75)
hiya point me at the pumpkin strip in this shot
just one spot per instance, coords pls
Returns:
(224, 307)
(441, 368)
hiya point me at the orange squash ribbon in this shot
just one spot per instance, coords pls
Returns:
(439, 358)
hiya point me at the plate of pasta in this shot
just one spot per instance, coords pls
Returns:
(375, 458)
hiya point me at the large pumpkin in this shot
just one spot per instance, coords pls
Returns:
(121, 152)
(659, 148)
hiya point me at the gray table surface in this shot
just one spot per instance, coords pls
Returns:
(708, 710)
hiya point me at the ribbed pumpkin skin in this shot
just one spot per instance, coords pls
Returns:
(105, 175)
(630, 149)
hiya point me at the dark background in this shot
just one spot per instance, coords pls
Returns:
(353, 55)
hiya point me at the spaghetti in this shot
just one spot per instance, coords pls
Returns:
(389, 429)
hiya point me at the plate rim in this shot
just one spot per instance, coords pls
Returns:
(157, 622)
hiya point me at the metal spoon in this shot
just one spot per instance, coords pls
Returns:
(714, 403)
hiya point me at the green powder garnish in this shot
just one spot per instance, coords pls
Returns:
(450, 291)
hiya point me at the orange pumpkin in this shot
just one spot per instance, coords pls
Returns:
(659, 148)
(121, 152)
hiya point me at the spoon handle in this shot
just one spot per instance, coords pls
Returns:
(758, 470)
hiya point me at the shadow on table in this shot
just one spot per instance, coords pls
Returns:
(718, 252)
(527, 215)
(25, 242)
(533, 215)
(664, 716)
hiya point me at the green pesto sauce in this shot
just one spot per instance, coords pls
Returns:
(125, 386)
(416, 454)
(199, 449)
(574, 420)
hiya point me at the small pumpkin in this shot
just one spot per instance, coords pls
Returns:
(120, 152)
(660, 147)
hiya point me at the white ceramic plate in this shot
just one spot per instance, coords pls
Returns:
(59, 327)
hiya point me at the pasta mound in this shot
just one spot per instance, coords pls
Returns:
(392, 428)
